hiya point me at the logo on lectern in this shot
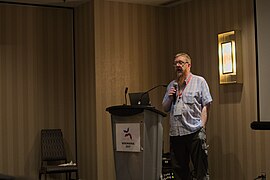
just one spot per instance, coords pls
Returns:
(127, 133)
(128, 137)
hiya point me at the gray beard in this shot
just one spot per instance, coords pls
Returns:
(179, 75)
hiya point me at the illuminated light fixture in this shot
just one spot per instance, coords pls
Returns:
(230, 57)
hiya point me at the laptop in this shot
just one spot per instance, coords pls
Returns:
(143, 97)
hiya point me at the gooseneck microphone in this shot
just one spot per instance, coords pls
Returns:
(126, 90)
(139, 102)
(175, 85)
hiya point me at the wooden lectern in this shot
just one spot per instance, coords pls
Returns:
(137, 133)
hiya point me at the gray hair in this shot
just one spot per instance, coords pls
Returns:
(185, 55)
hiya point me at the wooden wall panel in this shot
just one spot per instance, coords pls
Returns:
(85, 91)
(36, 84)
(130, 51)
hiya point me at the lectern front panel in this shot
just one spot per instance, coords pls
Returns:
(143, 163)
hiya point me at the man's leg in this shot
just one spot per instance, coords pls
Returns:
(182, 156)
(199, 155)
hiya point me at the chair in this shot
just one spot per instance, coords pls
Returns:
(53, 155)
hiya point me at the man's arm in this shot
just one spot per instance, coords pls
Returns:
(167, 102)
(205, 114)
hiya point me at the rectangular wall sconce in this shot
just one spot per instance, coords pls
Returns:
(230, 57)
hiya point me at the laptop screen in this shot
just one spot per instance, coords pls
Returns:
(136, 97)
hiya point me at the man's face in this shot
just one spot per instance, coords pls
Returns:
(181, 66)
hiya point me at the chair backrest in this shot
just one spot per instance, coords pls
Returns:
(52, 145)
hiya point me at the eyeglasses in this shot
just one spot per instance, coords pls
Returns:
(181, 63)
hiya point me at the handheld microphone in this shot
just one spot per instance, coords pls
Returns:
(175, 85)
(126, 90)
(139, 102)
